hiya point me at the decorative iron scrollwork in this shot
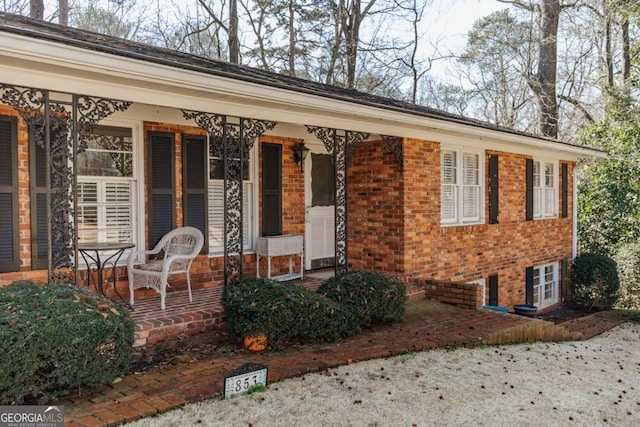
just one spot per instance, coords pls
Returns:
(231, 141)
(53, 129)
(342, 147)
(395, 145)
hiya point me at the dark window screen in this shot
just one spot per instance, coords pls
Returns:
(322, 180)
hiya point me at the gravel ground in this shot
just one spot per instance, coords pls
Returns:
(585, 383)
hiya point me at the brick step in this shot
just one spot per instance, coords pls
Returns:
(205, 313)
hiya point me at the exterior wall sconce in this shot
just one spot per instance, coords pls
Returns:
(299, 154)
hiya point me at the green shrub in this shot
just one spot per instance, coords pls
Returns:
(628, 260)
(370, 296)
(283, 312)
(56, 338)
(594, 282)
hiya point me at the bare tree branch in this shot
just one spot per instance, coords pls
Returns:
(578, 106)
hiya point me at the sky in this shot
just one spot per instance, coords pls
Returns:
(448, 21)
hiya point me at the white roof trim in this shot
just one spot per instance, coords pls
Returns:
(33, 62)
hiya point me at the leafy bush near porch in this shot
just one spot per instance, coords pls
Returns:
(594, 282)
(58, 338)
(628, 259)
(283, 312)
(370, 296)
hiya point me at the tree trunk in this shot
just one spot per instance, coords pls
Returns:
(608, 55)
(234, 41)
(63, 11)
(545, 87)
(338, 15)
(292, 39)
(352, 32)
(36, 9)
(626, 51)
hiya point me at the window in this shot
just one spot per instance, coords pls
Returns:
(545, 189)
(545, 285)
(106, 187)
(216, 203)
(461, 186)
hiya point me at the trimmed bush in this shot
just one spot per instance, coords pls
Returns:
(283, 312)
(628, 260)
(370, 296)
(58, 338)
(594, 282)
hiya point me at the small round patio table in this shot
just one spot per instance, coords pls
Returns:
(111, 252)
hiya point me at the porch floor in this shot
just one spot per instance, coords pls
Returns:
(180, 316)
(427, 324)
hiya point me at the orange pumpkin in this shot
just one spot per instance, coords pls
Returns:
(255, 342)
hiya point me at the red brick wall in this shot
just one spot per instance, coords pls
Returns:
(465, 295)
(376, 216)
(394, 223)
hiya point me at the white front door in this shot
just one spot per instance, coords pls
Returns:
(320, 208)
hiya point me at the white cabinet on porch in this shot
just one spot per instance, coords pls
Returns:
(280, 246)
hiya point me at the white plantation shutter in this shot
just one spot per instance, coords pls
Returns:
(470, 169)
(87, 192)
(537, 191)
(246, 214)
(461, 187)
(449, 190)
(105, 211)
(87, 215)
(470, 208)
(449, 170)
(545, 191)
(471, 187)
(448, 203)
(549, 190)
(119, 211)
(216, 214)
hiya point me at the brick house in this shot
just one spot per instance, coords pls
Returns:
(107, 140)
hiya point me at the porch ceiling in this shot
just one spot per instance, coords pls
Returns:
(130, 75)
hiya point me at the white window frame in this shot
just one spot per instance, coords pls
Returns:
(545, 285)
(545, 189)
(216, 207)
(134, 181)
(455, 186)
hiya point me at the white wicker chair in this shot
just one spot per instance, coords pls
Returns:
(180, 247)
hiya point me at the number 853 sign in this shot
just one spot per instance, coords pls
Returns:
(241, 379)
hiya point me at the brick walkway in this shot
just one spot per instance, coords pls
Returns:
(427, 325)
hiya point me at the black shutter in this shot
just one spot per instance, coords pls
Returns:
(271, 189)
(529, 286)
(493, 189)
(493, 290)
(565, 190)
(194, 184)
(39, 216)
(162, 189)
(9, 244)
(529, 189)
(564, 280)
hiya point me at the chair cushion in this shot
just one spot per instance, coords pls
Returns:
(157, 266)
(150, 266)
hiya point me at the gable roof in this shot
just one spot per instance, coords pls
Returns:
(81, 39)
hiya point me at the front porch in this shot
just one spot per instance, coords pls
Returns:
(205, 313)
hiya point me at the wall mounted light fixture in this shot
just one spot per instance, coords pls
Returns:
(299, 154)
